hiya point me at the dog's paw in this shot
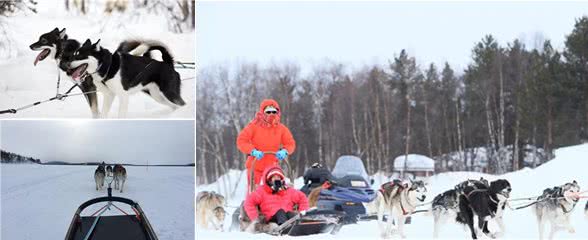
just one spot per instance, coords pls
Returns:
(572, 230)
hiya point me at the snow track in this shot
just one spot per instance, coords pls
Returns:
(38, 201)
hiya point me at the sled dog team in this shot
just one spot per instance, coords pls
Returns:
(135, 66)
(118, 173)
(469, 202)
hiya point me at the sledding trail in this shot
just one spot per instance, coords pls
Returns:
(43, 198)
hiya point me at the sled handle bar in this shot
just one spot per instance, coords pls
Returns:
(130, 202)
(252, 171)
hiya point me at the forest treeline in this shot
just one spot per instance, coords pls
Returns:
(511, 99)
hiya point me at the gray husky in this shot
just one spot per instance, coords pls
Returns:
(210, 210)
(398, 200)
(99, 176)
(555, 206)
(120, 176)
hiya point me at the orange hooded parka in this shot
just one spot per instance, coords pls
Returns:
(265, 133)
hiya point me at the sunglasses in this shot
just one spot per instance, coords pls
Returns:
(271, 112)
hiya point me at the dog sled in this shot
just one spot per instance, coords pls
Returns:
(348, 190)
(314, 221)
(98, 226)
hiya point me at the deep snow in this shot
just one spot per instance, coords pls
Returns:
(38, 201)
(569, 164)
(21, 83)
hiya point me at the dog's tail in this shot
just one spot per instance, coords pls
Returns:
(153, 49)
(166, 56)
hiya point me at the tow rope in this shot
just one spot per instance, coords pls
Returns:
(62, 97)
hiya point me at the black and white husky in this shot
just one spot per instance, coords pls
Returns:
(446, 205)
(485, 203)
(120, 74)
(555, 206)
(57, 46)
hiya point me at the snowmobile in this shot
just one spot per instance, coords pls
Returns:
(113, 227)
(348, 189)
(313, 221)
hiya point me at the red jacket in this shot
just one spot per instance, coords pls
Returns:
(265, 137)
(270, 203)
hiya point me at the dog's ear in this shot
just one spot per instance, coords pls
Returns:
(574, 182)
(97, 45)
(56, 30)
(87, 43)
(62, 33)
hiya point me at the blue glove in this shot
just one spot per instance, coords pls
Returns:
(282, 154)
(257, 154)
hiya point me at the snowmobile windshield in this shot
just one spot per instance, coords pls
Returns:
(349, 165)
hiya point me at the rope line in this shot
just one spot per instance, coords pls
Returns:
(59, 96)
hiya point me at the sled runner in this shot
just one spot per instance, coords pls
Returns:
(114, 227)
(313, 222)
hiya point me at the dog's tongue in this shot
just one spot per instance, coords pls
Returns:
(41, 54)
(76, 75)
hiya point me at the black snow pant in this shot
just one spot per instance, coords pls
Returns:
(282, 216)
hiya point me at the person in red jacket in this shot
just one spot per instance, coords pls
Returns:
(265, 133)
(275, 199)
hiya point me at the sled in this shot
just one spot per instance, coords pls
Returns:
(114, 227)
(313, 222)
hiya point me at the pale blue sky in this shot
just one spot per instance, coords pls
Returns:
(136, 142)
(360, 33)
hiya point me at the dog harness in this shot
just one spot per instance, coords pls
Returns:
(400, 188)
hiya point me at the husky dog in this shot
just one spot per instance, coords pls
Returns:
(446, 205)
(586, 210)
(56, 45)
(486, 203)
(120, 176)
(121, 74)
(109, 171)
(99, 176)
(555, 206)
(398, 200)
(209, 210)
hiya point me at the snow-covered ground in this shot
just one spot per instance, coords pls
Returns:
(21, 83)
(38, 201)
(569, 164)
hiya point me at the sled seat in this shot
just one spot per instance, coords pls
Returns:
(122, 227)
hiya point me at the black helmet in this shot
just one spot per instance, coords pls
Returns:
(316, 165)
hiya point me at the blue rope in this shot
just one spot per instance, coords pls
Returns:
(95, 222)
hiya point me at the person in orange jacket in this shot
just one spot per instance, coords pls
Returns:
(265, 133)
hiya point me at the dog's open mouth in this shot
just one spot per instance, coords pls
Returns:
(42, 55)
(79, 72)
